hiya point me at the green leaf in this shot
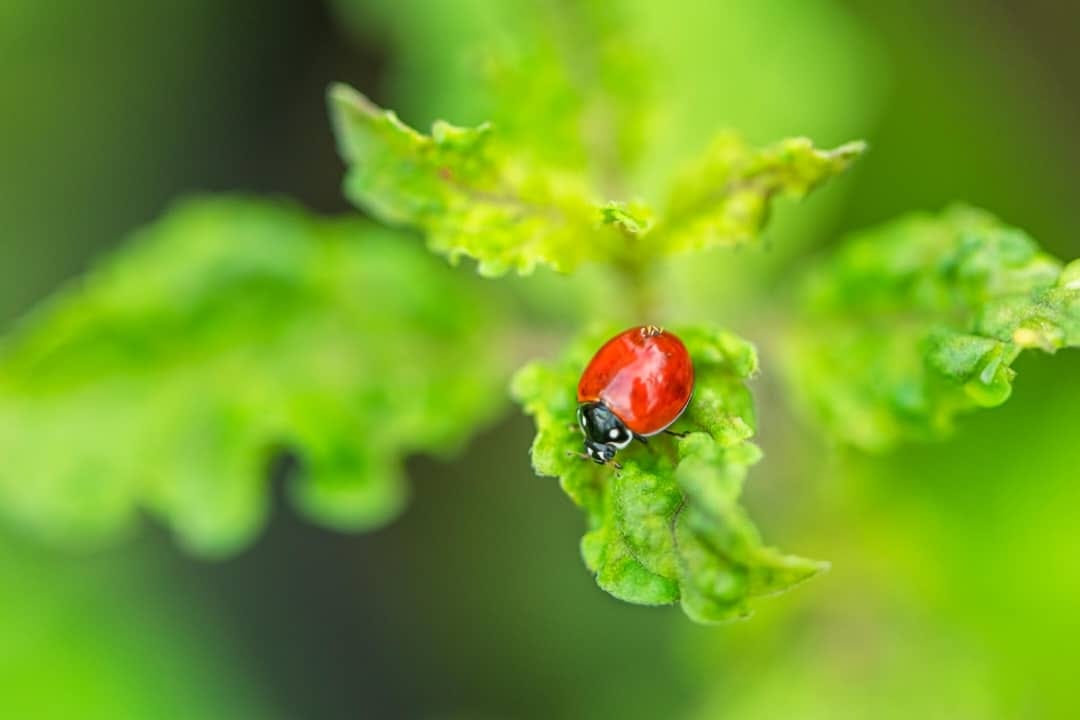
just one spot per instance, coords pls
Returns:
(582, 69)
(567, 84)
(464, 191)
(471, 196)
(668, 527)
(723, 198)
(632, 220)
(910, 324)
(231, 331)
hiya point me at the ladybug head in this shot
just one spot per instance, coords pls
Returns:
(605, 434)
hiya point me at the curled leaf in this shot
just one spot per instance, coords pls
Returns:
(668, 527)
(472, 196)
(723, 198)
(464, 191)
(227, 333)
(910, 324)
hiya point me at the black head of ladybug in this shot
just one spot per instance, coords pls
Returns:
(605, 434)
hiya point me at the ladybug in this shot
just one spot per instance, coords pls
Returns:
(636, 386)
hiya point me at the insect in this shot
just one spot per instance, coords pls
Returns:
(637, 385)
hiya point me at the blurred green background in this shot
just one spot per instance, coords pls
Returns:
(956, 567)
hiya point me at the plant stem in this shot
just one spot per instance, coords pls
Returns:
(636, 278)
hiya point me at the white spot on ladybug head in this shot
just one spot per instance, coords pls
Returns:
(613, 433)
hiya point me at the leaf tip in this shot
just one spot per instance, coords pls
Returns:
(346, 97)
(850, 150)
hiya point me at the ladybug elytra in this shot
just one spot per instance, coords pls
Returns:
(637, 385)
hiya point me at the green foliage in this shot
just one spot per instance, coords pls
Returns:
(722, 199)
(567, 84)
(910, 324)
(472, 196)
(228, 332)
(462, 190)
(235, 331)
(587, 76)
(632, 220)
(519, 193)
(668, 527)
(628, 87)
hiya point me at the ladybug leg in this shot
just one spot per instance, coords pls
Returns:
(644, 440)
(676, 434)
(583, 456)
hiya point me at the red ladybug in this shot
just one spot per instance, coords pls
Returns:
(636, 386)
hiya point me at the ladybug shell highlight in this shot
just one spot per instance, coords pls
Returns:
(644, 375)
